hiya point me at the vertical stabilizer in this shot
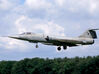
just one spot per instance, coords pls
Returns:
(91, 33)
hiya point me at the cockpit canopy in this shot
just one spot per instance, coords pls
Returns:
(26, 33)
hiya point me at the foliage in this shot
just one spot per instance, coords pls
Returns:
(6, 67)
(88, 65)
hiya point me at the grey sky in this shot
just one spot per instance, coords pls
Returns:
(58, 17)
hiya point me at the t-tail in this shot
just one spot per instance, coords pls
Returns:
(90, 33)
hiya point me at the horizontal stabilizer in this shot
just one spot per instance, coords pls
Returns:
(93, 29)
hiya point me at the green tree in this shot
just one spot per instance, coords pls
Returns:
(6, 66)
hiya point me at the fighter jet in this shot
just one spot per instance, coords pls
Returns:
(87, 38)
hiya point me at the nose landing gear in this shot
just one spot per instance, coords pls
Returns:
(36, 46)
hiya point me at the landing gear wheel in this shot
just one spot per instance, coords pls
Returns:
(64, 47)
(36, 46)
(59, 48)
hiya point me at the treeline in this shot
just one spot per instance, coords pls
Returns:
(88, 65)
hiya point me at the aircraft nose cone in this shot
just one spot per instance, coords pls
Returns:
(15, 37)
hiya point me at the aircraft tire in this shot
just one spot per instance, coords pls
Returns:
(59, 48)
(64, 47)
(36, 46)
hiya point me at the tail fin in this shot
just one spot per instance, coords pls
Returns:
(91, 33)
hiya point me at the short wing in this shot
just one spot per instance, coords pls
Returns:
(69, 43)
(61, 42)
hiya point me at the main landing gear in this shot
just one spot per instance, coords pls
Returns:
(64, 47)
(59, 48)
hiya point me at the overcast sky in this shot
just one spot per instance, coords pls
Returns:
(53, 17)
